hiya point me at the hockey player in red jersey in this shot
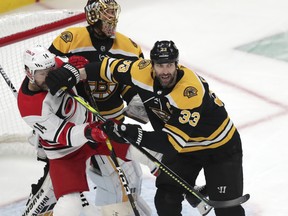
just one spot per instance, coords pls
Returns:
(95, 41)
(67, 131)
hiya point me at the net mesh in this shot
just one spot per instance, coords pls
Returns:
(18, 32)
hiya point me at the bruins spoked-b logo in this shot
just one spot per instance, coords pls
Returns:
(190, 91)
(102, 90)
(144, 63)
(66, 36)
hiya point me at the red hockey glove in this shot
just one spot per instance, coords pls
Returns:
(78, 61)
(94, 133)
(60, 60)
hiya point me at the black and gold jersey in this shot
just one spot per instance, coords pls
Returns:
(190, 113)
(81, 41)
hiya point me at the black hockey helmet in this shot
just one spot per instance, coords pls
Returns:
(164, 52)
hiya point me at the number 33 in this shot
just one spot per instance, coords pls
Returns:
(188, 117)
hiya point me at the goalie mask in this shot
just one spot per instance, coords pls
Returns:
(37, 58)
(103, 15)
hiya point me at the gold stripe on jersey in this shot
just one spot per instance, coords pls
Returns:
(106, 73)
(140, 71)
(113, 113)
(183, 143)
(186, 95)
(186, 137)
(140, 77)
(126, 88)
(125, 46)
(121, 52)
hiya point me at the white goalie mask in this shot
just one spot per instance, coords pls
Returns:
(37, 58)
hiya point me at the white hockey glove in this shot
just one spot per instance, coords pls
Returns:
(136, 110)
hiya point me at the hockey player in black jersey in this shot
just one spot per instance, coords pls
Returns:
(191, 126)
(95, 41)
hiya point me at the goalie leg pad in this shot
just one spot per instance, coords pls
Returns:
(42, 199)
(109, 187)
(134, 154)
(110, 193)
(69, 204)
(125, 209)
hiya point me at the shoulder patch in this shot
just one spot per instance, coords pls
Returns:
(190, 91)
(143, 63)
(66, 36)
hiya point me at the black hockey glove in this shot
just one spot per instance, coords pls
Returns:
(122, 132)
(63, 78)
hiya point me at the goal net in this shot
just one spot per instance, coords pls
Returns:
(18, 32)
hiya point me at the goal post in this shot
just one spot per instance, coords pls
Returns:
(18, 32)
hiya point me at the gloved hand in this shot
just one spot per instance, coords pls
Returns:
(78, 61)
(94, 133)
(63, 78)
(122, 132)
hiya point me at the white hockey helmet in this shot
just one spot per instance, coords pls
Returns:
(37, 58)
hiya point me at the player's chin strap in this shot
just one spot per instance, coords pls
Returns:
(208, 203)
(113, 156)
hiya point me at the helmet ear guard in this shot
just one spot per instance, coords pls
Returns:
(37, 58)
(164, 52)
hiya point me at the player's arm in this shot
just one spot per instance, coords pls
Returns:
(59, 46)
(114, 70)
(127, 93)
(110, 70)
(153, 140)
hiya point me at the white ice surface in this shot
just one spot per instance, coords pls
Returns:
(254, 88)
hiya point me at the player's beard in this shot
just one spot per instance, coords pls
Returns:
(167, 80)
(43, 86)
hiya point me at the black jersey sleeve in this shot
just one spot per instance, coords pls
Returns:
(128, 93)
(93, 71)
(157, 141)
(55, 51)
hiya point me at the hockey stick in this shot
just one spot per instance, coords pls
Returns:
(113, 155)
(201, 206)
(8, 81)
(41, 199)
(169, 172)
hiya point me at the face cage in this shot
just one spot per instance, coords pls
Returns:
(108, 13)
